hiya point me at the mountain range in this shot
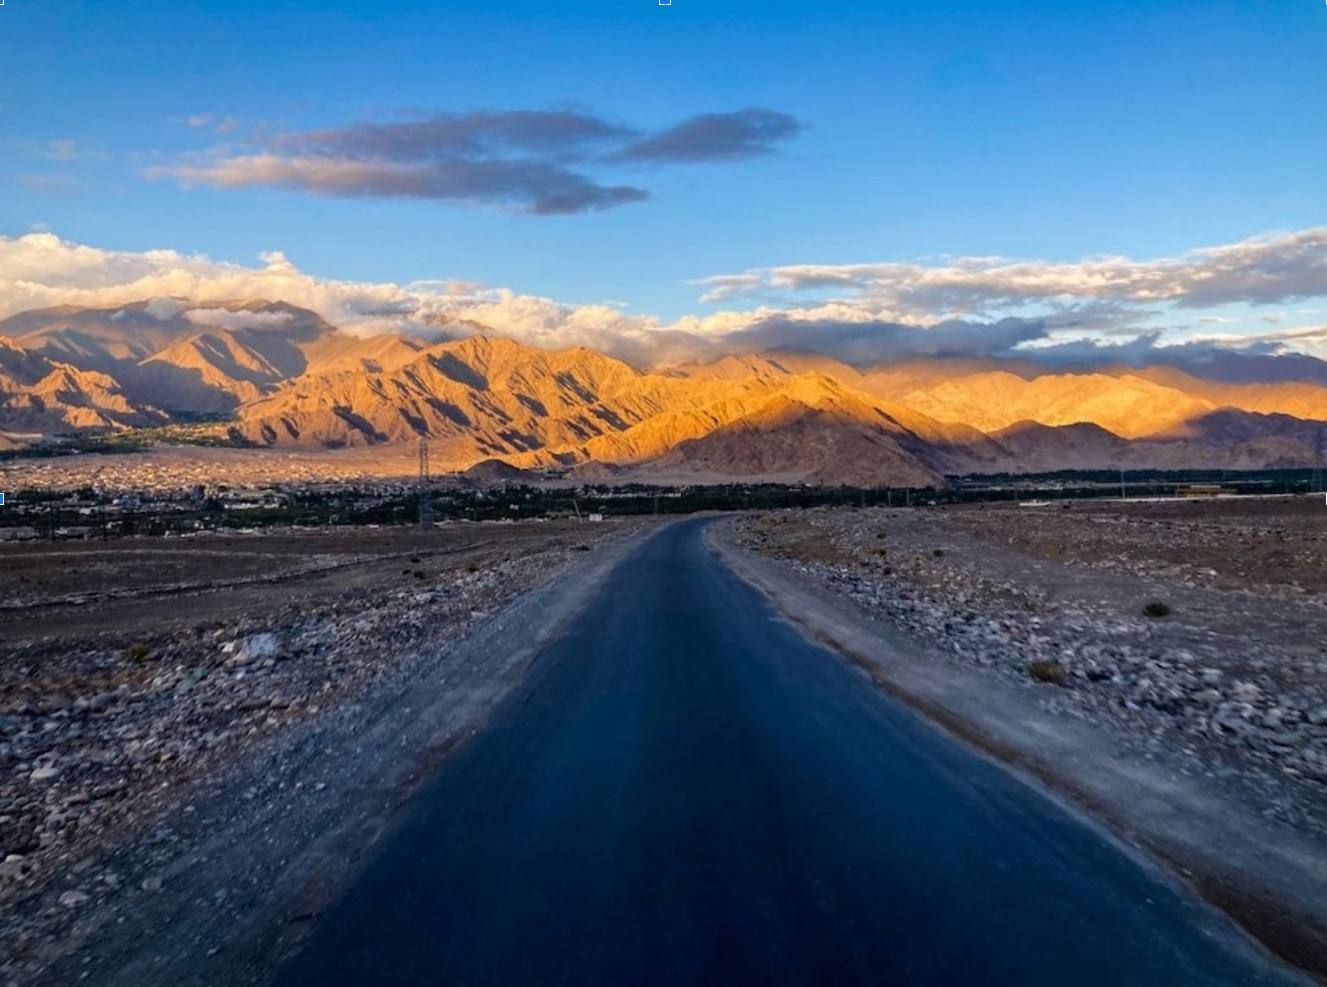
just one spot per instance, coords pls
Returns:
(284, 376)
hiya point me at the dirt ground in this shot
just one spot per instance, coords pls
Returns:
(131, 670)
(1189, 638)
(1132, 758)
(94, 586)
(1235, 543)
(1228, 676)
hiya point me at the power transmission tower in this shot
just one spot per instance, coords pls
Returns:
(425, 497)
(1317, 461)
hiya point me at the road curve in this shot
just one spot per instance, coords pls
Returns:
(685, 791)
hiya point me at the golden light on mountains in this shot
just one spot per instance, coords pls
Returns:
(292, 380)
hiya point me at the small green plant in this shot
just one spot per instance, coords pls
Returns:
(1156, 609)
(1048, 670)
(138, 652)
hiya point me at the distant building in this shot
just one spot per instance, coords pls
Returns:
(1205, 490)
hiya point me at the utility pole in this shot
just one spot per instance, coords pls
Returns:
(425, 497)
(1317, 460)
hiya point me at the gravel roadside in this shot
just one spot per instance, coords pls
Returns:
(1196, 736)
(185, 826)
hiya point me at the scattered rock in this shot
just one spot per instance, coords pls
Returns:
(1228, 690)
(99, 744)
(258, 647)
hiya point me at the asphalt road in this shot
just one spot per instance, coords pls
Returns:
(685, 791)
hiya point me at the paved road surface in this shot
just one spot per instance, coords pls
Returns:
(684, 791)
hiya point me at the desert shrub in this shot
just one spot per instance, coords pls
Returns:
(937, 552)
(138, 652)
(1048, 670)
(582, 548)
(1156, 609)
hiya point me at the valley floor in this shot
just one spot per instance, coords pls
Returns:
(164, 467)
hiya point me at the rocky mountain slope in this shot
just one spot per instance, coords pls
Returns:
(284, 376)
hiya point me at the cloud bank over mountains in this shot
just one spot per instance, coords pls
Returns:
(538, 162)
(1094, 311)
(1260, 271)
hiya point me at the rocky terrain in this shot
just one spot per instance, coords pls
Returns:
(277, 376)
(132, 674)
(1195, 632)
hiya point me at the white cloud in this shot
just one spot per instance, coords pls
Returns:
(1260, 270)
(40, 269)
(1311, 340)
(164, 309)
(225, 319)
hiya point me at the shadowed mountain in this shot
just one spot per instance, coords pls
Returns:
(795, 443)
(490, 471)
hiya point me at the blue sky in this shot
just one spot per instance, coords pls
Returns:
(922, 130)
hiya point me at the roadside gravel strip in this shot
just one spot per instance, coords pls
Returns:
(1271, 878)
(230, 882)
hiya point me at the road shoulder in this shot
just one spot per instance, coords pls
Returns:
(1271, 880)
(236, 876)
